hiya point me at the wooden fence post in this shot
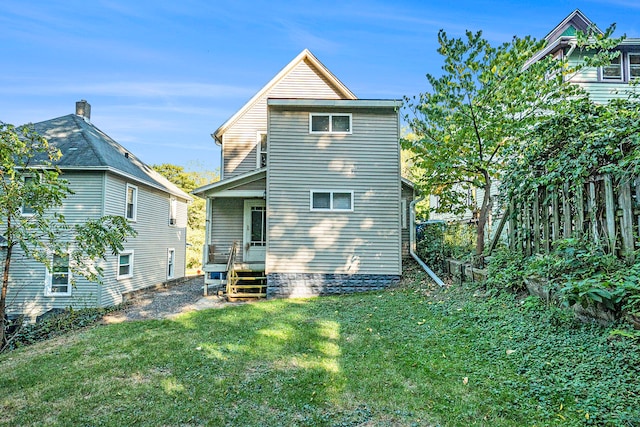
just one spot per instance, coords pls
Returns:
(610, 213)
(626, 221)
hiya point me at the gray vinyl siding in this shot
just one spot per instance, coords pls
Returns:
(365, 241)
(155, 236)
(227, 222)
(27, 277)
(239, 141)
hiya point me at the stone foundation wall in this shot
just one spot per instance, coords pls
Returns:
(287, 285)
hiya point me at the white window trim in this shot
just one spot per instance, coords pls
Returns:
(629, 55)
(258, 149)
(135, 202)
(22, 213)
(173, 212)
(614, 79)
(171, 274)
(131, 260)
(331, 131)
(48, 281)
(331, 208)
(403, 214)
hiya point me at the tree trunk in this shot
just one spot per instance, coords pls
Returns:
(482, 218)
(3, 297)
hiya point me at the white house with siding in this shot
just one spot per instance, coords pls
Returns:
(106, 179)
(310, 192)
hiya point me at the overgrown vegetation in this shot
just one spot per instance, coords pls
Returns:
(413, 355)
(437, 241)
(55, 324)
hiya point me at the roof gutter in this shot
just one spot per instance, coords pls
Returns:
(412, 243)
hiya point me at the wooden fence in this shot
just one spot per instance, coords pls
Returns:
(603, 209)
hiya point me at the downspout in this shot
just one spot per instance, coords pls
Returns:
(412, 243)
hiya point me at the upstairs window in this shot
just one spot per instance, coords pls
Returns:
(131, 206)
(330, 123)
(27, 209)
(634, 66)
(613, 71)
(173, 211)
(261, 150)
(58, 280)
(331, 201)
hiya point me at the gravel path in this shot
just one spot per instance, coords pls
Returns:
(168, 302)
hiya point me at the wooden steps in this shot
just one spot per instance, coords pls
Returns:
(245, 284)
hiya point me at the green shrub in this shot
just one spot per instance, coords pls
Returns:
(430, 248)
(506, 270)
(459, 241)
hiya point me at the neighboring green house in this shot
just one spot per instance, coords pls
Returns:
(602, 83)
(106, 179)
(310, 190)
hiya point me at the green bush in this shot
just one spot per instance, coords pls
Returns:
(506, 270)
(430, 248)
(460, 241)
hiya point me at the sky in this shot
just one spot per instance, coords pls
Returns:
(161, 76)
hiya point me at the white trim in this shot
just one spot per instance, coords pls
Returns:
(171, 263)
(130, 273)
(22, 206)
(48, 282)
(253, 252)
(259, 152)
(331, 208)
(613, 79)
(629, 55)
(173, 212)
(134, 218)
(403, 214)
(330, 116)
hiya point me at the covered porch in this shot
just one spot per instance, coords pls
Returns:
(235, 239)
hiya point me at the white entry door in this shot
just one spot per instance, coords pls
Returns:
(255, 230)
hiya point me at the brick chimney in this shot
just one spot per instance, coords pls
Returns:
(83, 109)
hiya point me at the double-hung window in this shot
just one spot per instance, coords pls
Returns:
(58, 280)
(613, 71)
(131, 205)
(27, 209)
(261, 150)
(329, 123)
(173, 211)
(125, 265)
(331, 200)
(634, 66)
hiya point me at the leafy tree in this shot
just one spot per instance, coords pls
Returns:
(196, 211)
(481, 110)
(30, 183)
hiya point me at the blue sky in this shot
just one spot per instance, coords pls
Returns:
(161, 76)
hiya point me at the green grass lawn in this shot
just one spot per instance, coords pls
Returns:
(414, 355)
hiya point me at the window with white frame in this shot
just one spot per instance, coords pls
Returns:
(58, 279)
(634, 66)
(261, 150)
(171, 262)
(173, 211)
(329, 123)
(131, 205)
(331, 200)
(26, 209)
(125, 265)
(613, 71)
(403, 214)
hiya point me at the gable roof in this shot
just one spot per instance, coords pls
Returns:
(575, 21)
(305, 55)
(85, 147)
